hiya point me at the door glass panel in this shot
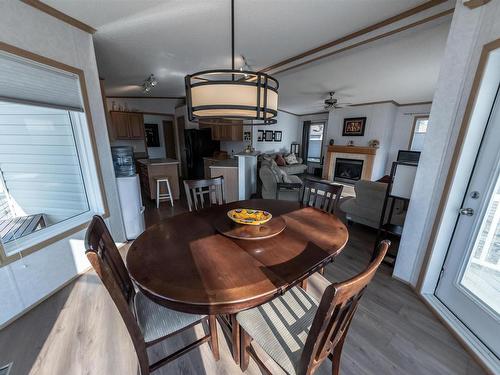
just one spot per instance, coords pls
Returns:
(482, 273)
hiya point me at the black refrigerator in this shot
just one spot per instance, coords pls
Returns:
(198, 143)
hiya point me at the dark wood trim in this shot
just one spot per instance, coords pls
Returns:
(416, 103)
(60, 15)
(472, 4)
(483, 59)
(314, 113)
(369, 40)
(363, 104)
(4, 259)
(374, 103)
(290, 113)
(378, 25)
(147, 113)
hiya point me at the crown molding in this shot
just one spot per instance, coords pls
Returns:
(60, 15)
(472, 4)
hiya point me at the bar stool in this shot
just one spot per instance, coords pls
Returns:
(164, 196)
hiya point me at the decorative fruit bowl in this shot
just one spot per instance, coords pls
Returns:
(249, 216)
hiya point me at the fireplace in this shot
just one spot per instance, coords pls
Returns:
(348, 170)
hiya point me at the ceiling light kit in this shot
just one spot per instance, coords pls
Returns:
(232, 94)
(149, 83)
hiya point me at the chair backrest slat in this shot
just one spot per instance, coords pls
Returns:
(109, 266)
(322, 195)
(196, 190)
(335, 312)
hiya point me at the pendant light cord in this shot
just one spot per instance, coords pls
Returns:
(232, 34)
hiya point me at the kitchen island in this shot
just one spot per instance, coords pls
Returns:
(150, 169)
(227, 168)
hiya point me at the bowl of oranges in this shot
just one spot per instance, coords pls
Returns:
(249, 216)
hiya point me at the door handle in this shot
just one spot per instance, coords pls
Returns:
(466, 211)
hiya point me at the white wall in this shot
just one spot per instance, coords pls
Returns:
(23, 283)
(379, 125)
(291, 129)
(401, 133)
(157, 152)
(470, 30)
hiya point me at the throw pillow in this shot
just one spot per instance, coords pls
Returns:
(291, 159)
(279, 160)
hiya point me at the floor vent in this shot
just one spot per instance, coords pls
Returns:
(5, 370)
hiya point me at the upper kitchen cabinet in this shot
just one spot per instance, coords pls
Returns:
(224, 130)
(127, 125)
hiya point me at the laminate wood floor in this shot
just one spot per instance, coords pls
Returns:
(78, 331)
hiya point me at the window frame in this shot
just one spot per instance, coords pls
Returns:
(83, 128)
(322, 140)
(414, 126)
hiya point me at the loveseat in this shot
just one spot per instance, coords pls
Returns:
(290, 169)
(270, 176)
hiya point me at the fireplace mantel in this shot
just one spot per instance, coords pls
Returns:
(353, 150)
(367, 154)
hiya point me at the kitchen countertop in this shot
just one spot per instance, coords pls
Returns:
(253, 153)
(227, 163)
(158, 161)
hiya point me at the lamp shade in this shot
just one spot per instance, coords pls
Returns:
(232, 94)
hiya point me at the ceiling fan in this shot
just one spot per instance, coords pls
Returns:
(333, 103)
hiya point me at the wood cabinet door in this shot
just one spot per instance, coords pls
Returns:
(237, 132)
(120, 124)
(136, 126)
(216, 133)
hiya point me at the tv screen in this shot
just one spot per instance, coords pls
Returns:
(408, 156)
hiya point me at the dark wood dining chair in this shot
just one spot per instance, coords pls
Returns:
(201, 193)
(147, 322)
(297, 332)
(324, 196)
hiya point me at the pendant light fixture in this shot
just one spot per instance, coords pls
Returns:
(232, 94)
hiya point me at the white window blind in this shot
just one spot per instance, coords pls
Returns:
(28, 82)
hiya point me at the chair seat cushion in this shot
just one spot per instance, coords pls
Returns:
(157, 321)
(281, 326)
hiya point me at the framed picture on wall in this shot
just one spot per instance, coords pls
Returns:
(354, 126)
(269, 135)
(260, 135)
(152, 135)
(247, 136)
(277, 136)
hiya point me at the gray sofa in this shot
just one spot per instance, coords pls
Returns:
(366, 207)
(290, 169)
(270, 176)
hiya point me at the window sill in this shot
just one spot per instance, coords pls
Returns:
(19, 248)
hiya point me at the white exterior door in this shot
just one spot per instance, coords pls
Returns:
(470, 282)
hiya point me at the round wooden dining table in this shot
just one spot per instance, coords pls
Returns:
(186, 264)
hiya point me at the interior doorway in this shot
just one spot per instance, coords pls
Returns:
(169, 135)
